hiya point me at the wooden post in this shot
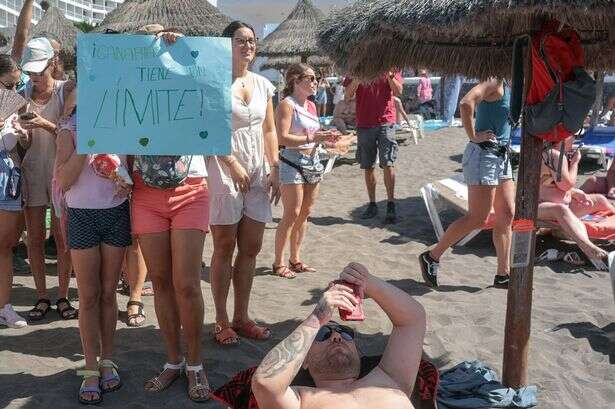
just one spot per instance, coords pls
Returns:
(597, 107)
(519, 306)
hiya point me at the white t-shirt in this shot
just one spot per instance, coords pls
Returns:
(197, 167)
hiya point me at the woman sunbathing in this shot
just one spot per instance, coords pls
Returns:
(562, 202)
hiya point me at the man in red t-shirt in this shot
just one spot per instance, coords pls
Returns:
(376, 117)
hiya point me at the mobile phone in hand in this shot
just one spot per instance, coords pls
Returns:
(357, 313)
(27, 116)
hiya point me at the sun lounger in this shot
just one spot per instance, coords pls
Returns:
(599, 143)
(452, 193)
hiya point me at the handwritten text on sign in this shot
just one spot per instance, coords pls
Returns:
(138, 95)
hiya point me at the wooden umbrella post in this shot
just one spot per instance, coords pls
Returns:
(519, 304)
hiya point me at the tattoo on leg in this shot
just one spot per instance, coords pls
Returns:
(289, 353)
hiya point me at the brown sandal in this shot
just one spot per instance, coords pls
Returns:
(250, 329)
(224, 334)
(301, 267)
(283, 271)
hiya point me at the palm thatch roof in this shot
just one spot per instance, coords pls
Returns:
(191, 17)
(281, 63)
(297, 35)
(54, 25)
(471, 37)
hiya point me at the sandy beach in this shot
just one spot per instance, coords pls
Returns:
(572, 351)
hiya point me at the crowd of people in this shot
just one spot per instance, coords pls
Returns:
(152, 215)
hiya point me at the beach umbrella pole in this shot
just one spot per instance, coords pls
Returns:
(519, 302)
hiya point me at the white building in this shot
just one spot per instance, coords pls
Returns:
(92, 11)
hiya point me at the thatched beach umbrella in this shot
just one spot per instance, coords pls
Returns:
(55, 26)
(191, 17)
(295, 36)
(281, 63)
(473, 37)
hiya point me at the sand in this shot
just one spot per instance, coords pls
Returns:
(572, 347)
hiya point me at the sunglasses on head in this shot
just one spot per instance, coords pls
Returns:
(324, 333)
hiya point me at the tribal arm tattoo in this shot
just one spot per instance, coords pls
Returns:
(283, 362)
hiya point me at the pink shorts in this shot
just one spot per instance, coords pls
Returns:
(158, 210)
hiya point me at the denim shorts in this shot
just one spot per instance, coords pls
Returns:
(378, 142)
(7, 203)
(483, 167)
(290, 175)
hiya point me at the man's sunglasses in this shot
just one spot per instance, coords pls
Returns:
(324, 333)
(311, 78)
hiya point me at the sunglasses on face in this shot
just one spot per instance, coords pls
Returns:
(37, 74)
(324, 333)
(12, 85)
(310, 78)
(242, 42)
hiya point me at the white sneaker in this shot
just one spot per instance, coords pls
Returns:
(10, 318)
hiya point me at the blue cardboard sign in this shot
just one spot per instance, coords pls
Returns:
(138, 95)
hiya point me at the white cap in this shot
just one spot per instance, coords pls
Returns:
(37, 54)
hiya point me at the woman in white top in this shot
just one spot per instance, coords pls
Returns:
(240, 188)
(299, 131)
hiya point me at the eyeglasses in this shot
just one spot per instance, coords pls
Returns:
(12, 85)
(37, 74)
(311, 78)
(325, 332)
(242, 42)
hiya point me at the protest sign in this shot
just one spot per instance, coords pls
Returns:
(139, 95)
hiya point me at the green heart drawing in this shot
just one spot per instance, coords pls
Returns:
(203, 134)
(194, 54)
(91, 143)
(144, 142)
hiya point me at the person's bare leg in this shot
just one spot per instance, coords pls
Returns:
(480, 203)
(504, 206)
(64, 266)
(572, 226)
(310, 193)
(135, 274)
(249, 242)
(112, 258)
(220, 272)
(599, 204)
(156, 248)
(35, 224)
(187, 249)
(389, 182)
(595, 184)
(9, 225)
(370, 184)
(87, 265)
(292, 196)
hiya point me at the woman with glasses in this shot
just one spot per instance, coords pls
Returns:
(13, 140)
(241, 187)
(46, 98)
(299, 131)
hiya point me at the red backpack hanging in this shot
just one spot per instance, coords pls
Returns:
(562, 92)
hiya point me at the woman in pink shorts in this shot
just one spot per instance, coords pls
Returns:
(170, 217)
(240, 187)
